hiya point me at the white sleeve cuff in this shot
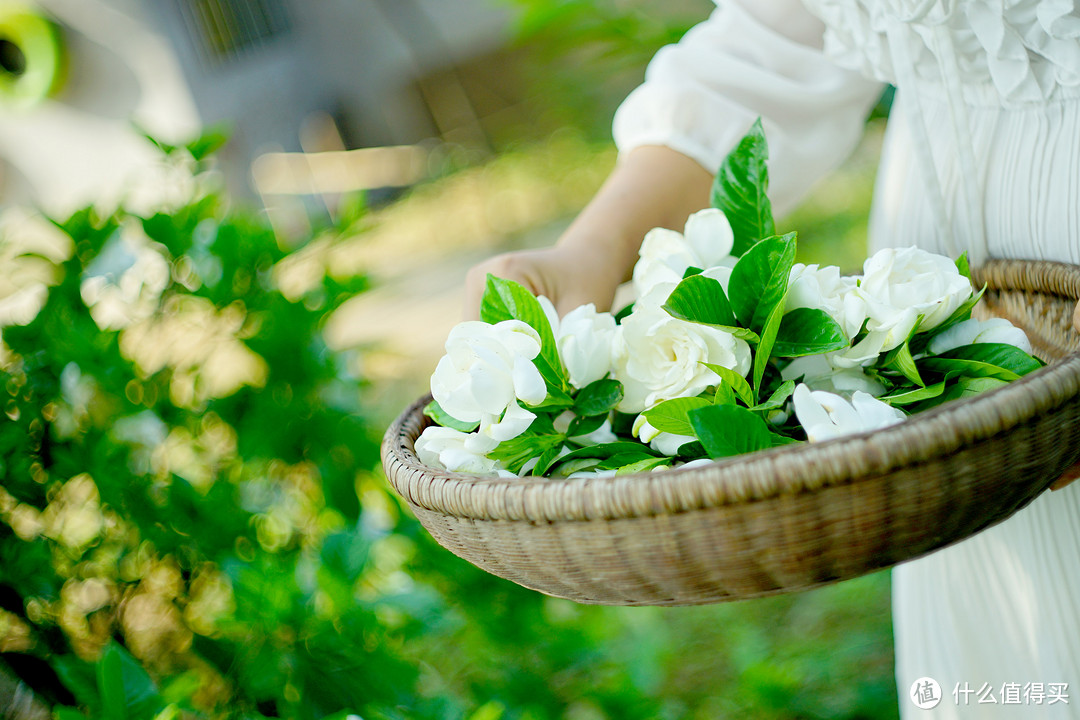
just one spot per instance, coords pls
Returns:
(701, 95)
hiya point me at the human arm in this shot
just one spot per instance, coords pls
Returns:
(653, 186)
(748, 60)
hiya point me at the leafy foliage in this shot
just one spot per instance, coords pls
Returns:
(175, 546)
(741, 190)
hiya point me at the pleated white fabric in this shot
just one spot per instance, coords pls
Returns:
(982, 154)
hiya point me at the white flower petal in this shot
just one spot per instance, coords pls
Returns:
(709, 235)
(528, 383)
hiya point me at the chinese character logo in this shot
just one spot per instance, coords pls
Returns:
(925, 693)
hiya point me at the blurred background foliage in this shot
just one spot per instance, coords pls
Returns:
(194, 522)
(589, 54)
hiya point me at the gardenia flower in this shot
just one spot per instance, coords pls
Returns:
(585, 339)
(662, 442)
(819, 373)
(456, 451)
(486, 370)
(659, 293)
(899, 285)
(658, 357)
(825, 416)
(823, 288)
(665, 255)
(971, 331)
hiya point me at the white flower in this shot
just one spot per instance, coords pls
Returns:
(971, 331)
(820, 373)
(659, 357)
(662, 442)
(124, 282)
(825, 416)
(454, 450)
(665, 255)
(486, 370)
(899, 285)
(23, 305)
(823, 288)
(585, 339)
(658, 294)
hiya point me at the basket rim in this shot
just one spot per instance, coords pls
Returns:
(766, 474)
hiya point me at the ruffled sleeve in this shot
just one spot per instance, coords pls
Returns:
(701, 95)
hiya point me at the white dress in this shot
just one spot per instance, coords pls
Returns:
(982, 154)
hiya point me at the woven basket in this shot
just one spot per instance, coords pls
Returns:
(785, 519)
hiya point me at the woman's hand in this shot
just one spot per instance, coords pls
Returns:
(567, 276)
(652, 186)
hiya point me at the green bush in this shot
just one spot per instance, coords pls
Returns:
(193, 523)
(180, 465)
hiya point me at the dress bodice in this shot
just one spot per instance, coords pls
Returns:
(1008, 51)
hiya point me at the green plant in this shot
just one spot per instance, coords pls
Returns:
(180, 462)
(193, 525)
(591, 53)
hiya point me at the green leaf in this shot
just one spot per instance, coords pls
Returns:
(967, 368)
(727, 430)
(724, 394)
(965, 386)
(735, 381)
(974, 386)
(914, 396)
(567, 467)
(68, 713)
(672, 416)
(777, 399)
(584, 425)
(79, 678)
(441, 417)
(548, 458)
(764, 351)
(700, 299)
(692, 450)
(905, 364)
(598, 397)
(630, 458)
(779, 440)
(643, 465)
(126, 689)
(995, 360)
(164, 147)
(508, 300)
(962, 265)
(212, 139)
(606, 450)
(514, 453)
(741, 189)
(491, 711)
(808, 331)
(1002, 355)
(759, 281)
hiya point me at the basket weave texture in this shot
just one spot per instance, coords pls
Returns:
(786, 519)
